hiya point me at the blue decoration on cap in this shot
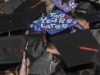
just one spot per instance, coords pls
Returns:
(56, 22)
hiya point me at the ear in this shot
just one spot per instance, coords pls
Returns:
(44, 39)
(27, 32)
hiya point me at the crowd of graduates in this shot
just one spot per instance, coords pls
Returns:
(44, 55)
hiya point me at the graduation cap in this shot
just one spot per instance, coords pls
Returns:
(92, 17)
(96, 5)
(9, 6)
(12, 22)
(55, 22)
(65, 5)
(11, 50)
(77, 48)
(32, 8)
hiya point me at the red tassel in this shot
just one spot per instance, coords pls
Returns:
(88, 49)
(23, 66)
(35, 5)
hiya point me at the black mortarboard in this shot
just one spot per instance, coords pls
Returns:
(11, 50)
(12, 22)
(9, 6)
(92, 17)
(32, 8)
(96, 5)
(76, 49)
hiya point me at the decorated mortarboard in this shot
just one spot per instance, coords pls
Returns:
(77, 48)
(65, 5)
(9, 6)
(55, 22)
(34, 27)
(11, 22)
(92, 17)
(32, 8)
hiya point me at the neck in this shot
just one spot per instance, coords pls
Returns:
(86, 27)
(53, 50)
(84, 23)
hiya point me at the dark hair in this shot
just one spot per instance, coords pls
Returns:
(48, 41)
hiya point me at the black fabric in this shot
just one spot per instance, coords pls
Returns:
(9, 6)
(96, 58)
(69, 45)
(35, 45)
(12, 22)
(9, 67)
(96, 5)
(32, 8)
(11, 49)
(92, 17)
(97, 70)
(45, 64)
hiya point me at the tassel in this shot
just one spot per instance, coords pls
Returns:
(23, 66)
(88, 49)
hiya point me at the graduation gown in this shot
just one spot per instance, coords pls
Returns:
(46, 64)
(96, 33)
(35, 45)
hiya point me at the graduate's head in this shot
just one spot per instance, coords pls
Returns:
(47, 42)
(82, 9)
